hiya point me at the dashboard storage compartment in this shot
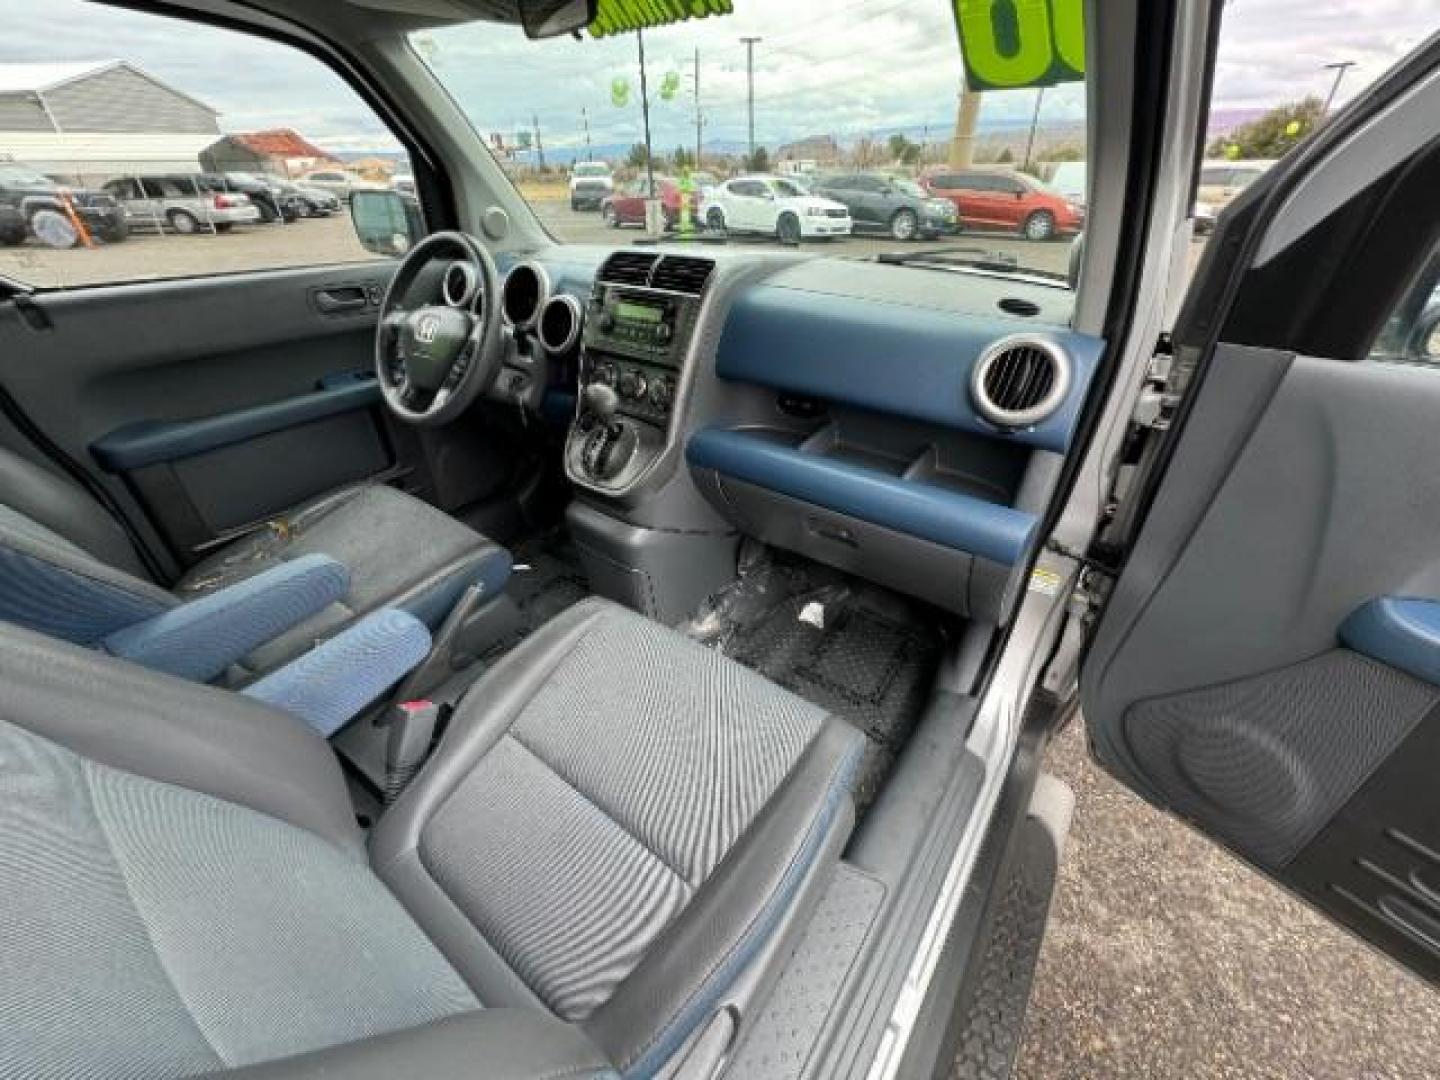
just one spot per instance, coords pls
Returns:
(892, 514)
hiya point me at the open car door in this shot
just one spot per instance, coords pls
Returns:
(1267, 662)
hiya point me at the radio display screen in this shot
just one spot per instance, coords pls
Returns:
(626, 311)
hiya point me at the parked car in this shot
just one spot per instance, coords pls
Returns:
(1221, 181)
(1070, 178)
(13, 228)
(186, 203)
(590, 183)
(889, 204)
(403, 182)
(627, 205)
(339, 183)
(265, 192)
(33, 194)
(312, 202)
(1007, 200)
(776, 205)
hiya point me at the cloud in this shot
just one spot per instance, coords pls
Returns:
(849, 68)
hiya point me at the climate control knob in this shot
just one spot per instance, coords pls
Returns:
(632, 384)
(662, 394)
(605, 373)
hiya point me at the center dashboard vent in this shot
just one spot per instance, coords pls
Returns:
(681, 274)
(1020, 381)
(628, 268)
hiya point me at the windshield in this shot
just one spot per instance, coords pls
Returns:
(788, 92)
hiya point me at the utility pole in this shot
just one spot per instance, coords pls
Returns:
(1034, 120)
(962, 146)
(539, 146)
(585, 119)
(1340, 67)
(645, 112)
(698, 120)
(750, 43)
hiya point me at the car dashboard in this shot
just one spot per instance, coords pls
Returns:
(905, 425)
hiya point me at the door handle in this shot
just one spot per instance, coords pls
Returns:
(340, 299)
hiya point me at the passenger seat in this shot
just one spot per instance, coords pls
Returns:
(594, 875)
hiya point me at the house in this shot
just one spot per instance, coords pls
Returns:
(281, 151)
(88, 120)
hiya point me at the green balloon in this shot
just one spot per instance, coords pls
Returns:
(620, 91)
(669, 85)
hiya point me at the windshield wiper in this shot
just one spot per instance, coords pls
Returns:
(999, 262)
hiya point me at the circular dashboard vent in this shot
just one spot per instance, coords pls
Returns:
(524, 293)
(1020, 381)
(559, 326)
(460, 284)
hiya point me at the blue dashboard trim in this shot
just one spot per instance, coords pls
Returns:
(892, 358)
(1404, 633)
(998, 533)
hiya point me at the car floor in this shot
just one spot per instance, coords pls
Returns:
(863, 653)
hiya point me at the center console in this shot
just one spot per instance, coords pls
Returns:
(639, 324)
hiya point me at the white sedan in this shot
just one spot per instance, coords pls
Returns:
(774, 205)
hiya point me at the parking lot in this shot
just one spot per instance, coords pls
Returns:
(312, 242)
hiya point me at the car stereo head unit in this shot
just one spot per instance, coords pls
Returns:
(638, 323)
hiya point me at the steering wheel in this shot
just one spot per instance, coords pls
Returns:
(432, 360)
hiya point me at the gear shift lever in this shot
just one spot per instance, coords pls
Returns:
(603, 402)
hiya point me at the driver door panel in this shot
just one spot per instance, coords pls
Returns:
(207, 405)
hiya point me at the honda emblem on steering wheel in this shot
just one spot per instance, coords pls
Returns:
(426, 329)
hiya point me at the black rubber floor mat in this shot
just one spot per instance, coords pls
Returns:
(554, 580)
(859, 651)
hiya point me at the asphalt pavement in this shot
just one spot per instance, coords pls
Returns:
(1167, 957)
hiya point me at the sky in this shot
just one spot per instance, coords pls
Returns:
(845, 67)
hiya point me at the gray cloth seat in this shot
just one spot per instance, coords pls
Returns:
(613, 842)
(68, 569)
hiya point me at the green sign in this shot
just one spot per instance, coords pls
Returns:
(1012, 44)
(626, 16)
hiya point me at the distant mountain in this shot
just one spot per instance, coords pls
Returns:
(1224, 121)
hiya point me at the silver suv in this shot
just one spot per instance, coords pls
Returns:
(183, 203)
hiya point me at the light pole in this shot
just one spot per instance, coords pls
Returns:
(645, 112)
(1339, 67)
(1034, 121)
(585, 119)
(750, 43)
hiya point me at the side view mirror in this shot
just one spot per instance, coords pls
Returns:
(386, 222)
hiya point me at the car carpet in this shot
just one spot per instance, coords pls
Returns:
(861, 652)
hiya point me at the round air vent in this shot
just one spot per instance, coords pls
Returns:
(1019, 381)
(460, 284)
(524, 293)
(559, 325)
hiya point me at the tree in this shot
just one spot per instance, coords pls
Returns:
(683, 159)
(902, 150)
(1272, 135)
(638, 156)
(1005, 157)
(758, 161)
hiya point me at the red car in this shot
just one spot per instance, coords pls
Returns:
(627, 205)
(1005, 199)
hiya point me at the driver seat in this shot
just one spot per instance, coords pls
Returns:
(68, 570)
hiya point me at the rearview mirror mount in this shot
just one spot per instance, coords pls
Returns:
(552, 18)
(386, 222)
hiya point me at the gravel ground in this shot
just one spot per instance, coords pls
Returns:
(1165, 956)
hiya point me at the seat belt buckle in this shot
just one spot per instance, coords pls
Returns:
(412, 730)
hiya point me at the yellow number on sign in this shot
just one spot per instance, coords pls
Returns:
(1029, 63)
